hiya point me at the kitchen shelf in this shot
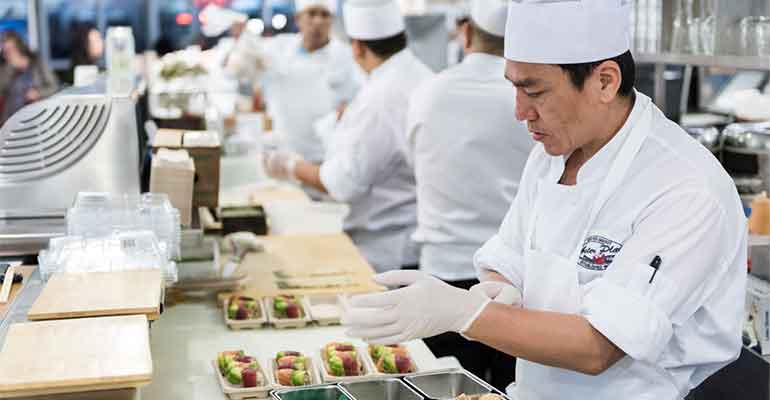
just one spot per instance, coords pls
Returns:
(740, 62)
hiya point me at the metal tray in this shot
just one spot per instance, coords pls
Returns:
(380, 389)
(449, 384)
(328, 392)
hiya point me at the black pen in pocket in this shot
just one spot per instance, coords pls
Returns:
(655, 264)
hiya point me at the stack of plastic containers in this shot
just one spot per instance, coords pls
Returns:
(107, 232)
(118, 251)
(100, 214)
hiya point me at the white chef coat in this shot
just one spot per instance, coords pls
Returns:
(369, 168)
(676, 201)
(469, 152)
(302, 87)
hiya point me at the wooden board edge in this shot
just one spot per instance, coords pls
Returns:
(151, 314)
(74, 389)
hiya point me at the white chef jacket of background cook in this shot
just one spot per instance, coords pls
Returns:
(468, 152)
(301, 88)
(369, 167)
(676, 202)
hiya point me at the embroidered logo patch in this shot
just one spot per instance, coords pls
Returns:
(598, 252)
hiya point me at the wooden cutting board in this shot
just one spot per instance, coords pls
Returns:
(316, 263)
(277, 193)
(96, 294)
(75, 355)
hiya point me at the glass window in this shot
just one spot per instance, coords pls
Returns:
(13, 16)
(131, 13)
(64, 20)
(65, 17)
(178, 25)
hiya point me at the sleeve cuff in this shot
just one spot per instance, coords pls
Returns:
(336, 181)
(496, 256)
(630, 321)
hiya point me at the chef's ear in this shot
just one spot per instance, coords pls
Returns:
(609, 79)
(358, 48)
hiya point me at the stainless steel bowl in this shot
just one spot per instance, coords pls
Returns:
(448, 385)
(751, 138)
(325, 392)
(380, 389)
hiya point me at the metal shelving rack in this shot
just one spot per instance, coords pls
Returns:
(749, 376)
(697, 60)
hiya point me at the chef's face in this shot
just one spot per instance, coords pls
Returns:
(558, 114)
(315, 24)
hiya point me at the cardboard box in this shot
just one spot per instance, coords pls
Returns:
(206, 155)
(173, 173)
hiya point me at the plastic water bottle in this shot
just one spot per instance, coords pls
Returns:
(120, 60)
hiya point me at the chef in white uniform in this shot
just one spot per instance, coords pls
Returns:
(303, 76)
(626, 241)
(369, 169)
(469, 152)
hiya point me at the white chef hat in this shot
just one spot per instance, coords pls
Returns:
(219, 20)
(372, 19)
(490, 15)
(567, 31)
(301, 5)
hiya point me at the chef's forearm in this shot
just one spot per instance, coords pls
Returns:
(309, 174)
(559, 340)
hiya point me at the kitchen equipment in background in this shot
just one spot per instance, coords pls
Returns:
(681, 36)
(746, 151)
(53, 149)
(755, 35)
(709, 137)
(381, 389)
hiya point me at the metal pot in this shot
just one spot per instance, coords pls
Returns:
(751, 138)
(710, 137)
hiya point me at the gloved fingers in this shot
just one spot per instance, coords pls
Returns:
(367, 318)
(375, 333)
(489, 289)
(377, 300)
(400, 277)
(509, 295)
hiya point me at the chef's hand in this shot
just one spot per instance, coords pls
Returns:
(499, 292)
(32, 95)
(280, 164)
(425, 307)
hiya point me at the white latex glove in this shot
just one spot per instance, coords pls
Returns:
(499, 292)
(425, 308)
(280, 164)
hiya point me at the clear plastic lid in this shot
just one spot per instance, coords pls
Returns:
(130, 250)
(97, 215)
